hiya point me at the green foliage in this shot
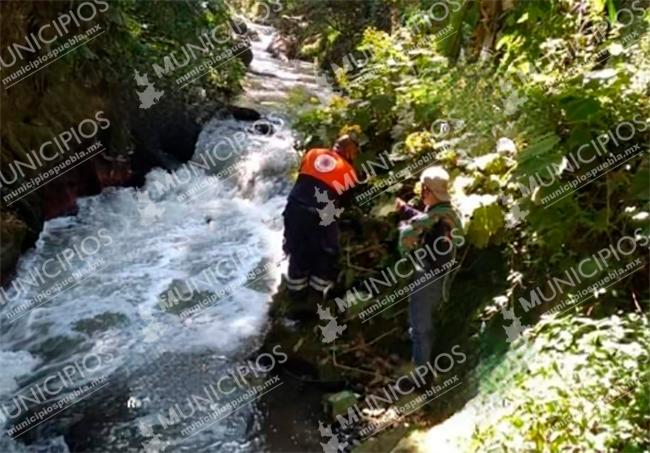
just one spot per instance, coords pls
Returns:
(100, 75)
(555, 82)
(143, 35)
(506, 124)
(329, 29)
(135, 36)
(582, 384)
(486, 219)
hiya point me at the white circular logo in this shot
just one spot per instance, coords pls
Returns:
(325, 163)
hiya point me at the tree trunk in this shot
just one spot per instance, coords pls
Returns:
(488, 27)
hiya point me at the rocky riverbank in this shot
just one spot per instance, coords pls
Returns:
(49, 104)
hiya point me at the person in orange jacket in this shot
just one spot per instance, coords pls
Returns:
(311, 232)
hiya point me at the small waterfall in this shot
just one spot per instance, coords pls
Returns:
(139, 263)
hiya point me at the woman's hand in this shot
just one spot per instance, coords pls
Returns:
(399, 204)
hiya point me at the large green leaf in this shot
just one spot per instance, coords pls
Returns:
(640, 188)
(482, 218)
(541, 153)
(580, 109)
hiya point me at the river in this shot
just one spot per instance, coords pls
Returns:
(160, 292)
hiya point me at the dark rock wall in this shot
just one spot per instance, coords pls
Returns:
(53, 100)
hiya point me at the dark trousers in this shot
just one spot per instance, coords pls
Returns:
(313, 249)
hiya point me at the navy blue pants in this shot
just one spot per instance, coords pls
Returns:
(313, 249)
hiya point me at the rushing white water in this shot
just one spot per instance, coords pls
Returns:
(145, 242)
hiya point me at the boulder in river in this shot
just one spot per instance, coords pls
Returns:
(263, 128)
(245, 55)
(252, 35)
(244, 113)
(280, 47)
(238, 26)
(163, 137)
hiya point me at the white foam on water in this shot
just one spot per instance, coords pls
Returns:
(14, 365)
(160, 236)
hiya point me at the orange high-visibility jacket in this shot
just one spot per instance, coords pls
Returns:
(329, 167)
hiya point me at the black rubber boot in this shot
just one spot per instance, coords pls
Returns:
(301, 307)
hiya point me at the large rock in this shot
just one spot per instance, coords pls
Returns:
(338, 403)
(246, 55)
(164, 136)
(60, 197)
(263, 128)
(243, 113)
(252, 35)
(139, 138)
(281, 47)
(238, 26)
(13, 231)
